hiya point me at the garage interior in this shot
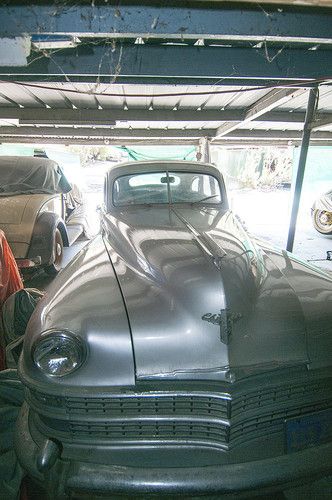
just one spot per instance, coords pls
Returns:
(205, 74)
(195, 73)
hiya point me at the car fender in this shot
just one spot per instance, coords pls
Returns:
(18, 215)
(324, 203)
(43, 237)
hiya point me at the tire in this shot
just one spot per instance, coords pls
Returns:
(322, 221)
(54, 268)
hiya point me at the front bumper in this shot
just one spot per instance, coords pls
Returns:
(272, 474)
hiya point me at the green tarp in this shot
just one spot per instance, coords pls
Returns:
(141, 153)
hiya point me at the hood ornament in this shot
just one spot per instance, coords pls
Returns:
(225, 319)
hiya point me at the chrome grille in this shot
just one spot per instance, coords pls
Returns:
(135, 431)
(156, 405)
(298, 394)
(138, 405)
(269, 423)
(216, 419)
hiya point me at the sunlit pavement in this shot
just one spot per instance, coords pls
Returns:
(267, 214)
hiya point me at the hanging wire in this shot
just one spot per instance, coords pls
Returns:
(173, 94)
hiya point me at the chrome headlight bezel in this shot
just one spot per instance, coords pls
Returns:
(59, 338)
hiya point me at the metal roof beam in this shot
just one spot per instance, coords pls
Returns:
(321, 121)
(108, 133)
(266, 135)
(109, 116)
(270, 101)
(104, 132)
(192, 20)
(241, 143)
(164, 64)
(286, 116)
(98, 141)
(104, 117)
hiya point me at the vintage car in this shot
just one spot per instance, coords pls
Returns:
(321, 213)
(176, 354)
(38, 211)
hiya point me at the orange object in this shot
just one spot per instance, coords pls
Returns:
(10, 279)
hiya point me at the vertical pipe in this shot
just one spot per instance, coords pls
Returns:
(204, 147)
(309, 117)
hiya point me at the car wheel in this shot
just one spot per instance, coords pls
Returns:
(54, 268)
(322, 221)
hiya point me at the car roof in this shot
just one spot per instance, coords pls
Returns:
(137, 167)
(26, 161)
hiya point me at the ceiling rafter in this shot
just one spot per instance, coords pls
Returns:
(237, 143)
(103, 132)
(270, 101)
(35, 98)
(108, 116)
(321, 122)
(68, 132)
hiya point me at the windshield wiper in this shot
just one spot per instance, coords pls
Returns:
(204, 199)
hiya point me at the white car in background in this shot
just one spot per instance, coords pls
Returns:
(40, 211)
(321, 213)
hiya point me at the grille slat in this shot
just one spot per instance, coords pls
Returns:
(277, 396)
(114, 407)
(152, 431)
(217, 419)
(137, 405)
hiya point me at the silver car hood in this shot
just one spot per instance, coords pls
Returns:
(203, 300)
(182, 294)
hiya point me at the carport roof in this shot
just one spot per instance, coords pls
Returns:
(90, 113)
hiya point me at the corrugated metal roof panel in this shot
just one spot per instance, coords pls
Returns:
(57, 97)
(325, 99)
(246, 99)
(53, 99)
(6, 103)
(300, 103)
(230, 98)
(19, 95)
(257, 125)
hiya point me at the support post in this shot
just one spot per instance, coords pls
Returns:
(309, 118)
(203, 150)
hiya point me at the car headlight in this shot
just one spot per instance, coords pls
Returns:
(58, 353)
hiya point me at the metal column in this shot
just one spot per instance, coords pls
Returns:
(309, 117)
(203, 153)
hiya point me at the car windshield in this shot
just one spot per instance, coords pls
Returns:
(18, 177)
(166, 187)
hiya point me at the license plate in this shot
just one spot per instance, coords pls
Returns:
(308, 430)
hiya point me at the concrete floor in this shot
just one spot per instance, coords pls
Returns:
(267, 214)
